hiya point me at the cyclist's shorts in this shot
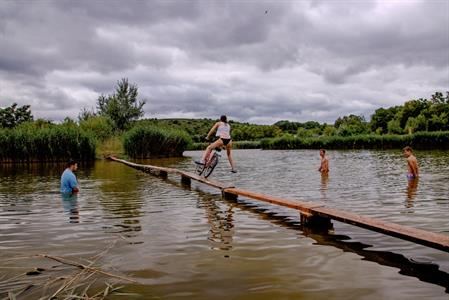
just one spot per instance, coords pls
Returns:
(225, 141)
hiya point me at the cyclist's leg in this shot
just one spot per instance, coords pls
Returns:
(207, 153)
(229, 153)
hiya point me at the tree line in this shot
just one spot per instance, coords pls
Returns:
(414, 116)
(118, 112)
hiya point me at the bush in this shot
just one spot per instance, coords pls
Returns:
(99, 126)
(150, 141)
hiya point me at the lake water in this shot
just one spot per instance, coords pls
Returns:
(184, 242)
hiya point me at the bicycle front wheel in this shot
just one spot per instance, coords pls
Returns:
(211, 166)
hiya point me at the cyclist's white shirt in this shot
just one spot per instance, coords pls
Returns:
(224, 130)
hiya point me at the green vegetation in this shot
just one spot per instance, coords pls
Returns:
(420, 140)
(114, 129)
(110, 146)
(98, 126)
(419, 123)
(122, 106)
(119, 109)
(235, 145)
(151, 141)
(33, 142)
(198, 128)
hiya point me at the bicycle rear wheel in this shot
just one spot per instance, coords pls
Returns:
(211, 165)
(199, 169)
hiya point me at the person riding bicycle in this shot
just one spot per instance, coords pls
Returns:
(224, 140)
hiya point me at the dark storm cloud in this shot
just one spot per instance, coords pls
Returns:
(255, 61)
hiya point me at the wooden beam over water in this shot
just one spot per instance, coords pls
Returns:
(311, 210)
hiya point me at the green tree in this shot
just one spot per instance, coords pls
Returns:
(304, 133)
(351, 125)
(329, 130)
(394, 127)
(12, 116)
(411, 108)
(381, 117)
(122, 107)
(86, 114)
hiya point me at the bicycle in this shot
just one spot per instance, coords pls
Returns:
(209, 165)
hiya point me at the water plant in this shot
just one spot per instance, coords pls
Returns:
(420, 140)
(29, 143)
(148, 141)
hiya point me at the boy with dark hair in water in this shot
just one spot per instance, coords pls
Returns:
(324, 166)
(412, 163)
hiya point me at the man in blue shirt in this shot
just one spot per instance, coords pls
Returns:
(69, 185)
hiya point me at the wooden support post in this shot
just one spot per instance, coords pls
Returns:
(185, 180)
(228, 196)
(317, 222)
(163, 174)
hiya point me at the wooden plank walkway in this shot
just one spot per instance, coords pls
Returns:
(312, 213)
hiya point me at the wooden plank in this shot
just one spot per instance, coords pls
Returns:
(146, 167)
(193, 176)
(305, 207)
(213, 183)
(426, 238)
(430, 239)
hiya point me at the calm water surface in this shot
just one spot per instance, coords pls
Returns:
(187, 243)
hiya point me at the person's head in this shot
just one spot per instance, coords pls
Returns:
(407, 151)
(224, 119)
(322, 152)
(72, 165)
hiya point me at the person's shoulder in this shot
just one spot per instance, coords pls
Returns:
(68, 173)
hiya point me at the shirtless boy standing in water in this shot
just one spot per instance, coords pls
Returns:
(324, 167)
(412, 163)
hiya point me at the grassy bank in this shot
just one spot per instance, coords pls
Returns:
(110, 146)
(420, 140)
(48, 144)
(148, 141)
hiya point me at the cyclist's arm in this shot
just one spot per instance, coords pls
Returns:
(212, 130)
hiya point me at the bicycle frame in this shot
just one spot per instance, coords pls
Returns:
(210, 163)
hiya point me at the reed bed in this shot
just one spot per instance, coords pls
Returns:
(47, 144)
(420, 140)
(149, 141)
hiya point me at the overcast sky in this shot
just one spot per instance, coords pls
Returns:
(255, 61)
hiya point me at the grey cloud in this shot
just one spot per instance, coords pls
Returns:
(299, 60)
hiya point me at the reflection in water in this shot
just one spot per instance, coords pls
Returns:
(121, 197)
(222, 232)
(324, 184)
(427, 272)
(117, 198)
(221, 222)
(412, 187)
(70, 206)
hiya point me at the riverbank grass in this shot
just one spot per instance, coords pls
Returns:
(110, 146)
